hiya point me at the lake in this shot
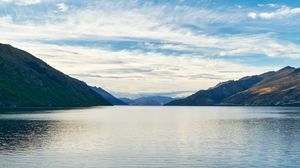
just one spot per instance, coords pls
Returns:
(137, 137)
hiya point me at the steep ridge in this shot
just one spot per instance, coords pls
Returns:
(26, 81)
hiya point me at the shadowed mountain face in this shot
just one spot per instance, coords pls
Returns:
(110, 98)
(26, 81)
(272, 88)
(148, 101)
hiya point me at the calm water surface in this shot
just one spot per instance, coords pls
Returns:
(121, 137)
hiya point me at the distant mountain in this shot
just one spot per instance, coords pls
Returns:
(126, 100)
(26, 81)
(281, 88)
(148, 101)
(110, 98)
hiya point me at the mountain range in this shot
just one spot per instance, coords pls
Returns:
(109, 97)
(26, 81)
(148, 101)
(275, 88)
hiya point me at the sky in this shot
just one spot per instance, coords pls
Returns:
(138, 48)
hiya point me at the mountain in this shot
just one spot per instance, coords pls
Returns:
(126, 100)
(110, 98)
(269, 89)
(281, 89)
(26, 81)
(148, 101)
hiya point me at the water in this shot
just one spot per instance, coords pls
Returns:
(121, 137)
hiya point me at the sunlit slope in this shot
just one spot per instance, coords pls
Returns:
(280, 88)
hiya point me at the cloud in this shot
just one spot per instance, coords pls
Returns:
(155, 72)
(148, 33)
(62, 7)
(270, 5)
(261, 44)
(282, 12)
(6, 20)
(252, 15)
(22, 2)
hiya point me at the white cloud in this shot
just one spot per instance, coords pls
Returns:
(262, 44)
(282, 12)
(22, 2)
(252, 15)
(62, 7)
(270, 5)
(137, 25)
(6, 20)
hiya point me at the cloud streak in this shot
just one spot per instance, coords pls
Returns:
(280, 13)
(21, 2)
